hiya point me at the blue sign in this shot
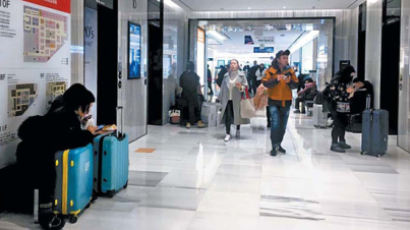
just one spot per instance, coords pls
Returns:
(263, 50)
(248, 40)
(134, 51)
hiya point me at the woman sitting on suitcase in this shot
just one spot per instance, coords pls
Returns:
(337, 94)
(42, 137)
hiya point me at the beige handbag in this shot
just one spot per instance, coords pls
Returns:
(247, 109)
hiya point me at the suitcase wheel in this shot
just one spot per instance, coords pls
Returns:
(110, 194)
(361, 153)
(126, 185)
(73, 219)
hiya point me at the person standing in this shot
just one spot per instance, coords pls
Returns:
(232, 87)
(260, 73)
(209, 78)
(337, 94)
(252, 77)
(223, 70)
(189, 83)
(280, 79)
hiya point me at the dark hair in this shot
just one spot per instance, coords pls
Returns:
(357, 80)
(77, 96)
(346, 73)
(190, 66)
(310, 80)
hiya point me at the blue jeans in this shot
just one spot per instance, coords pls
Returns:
(279, 120)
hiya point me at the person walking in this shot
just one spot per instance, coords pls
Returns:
(260, 73)
(252, 78)
(189, 83)
(209, 80)
(280, 79)
(232, 87)
(337, 94)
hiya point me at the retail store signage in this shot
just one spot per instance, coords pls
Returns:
(60, 5)
(266, 39)
(263, 50)
(5, 3)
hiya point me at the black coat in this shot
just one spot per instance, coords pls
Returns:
(42, 137)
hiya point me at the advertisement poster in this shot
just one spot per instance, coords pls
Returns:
(134, 51)
(91, 54)
(34, 63)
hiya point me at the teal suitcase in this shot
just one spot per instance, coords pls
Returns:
(111, 163)
(74, 187)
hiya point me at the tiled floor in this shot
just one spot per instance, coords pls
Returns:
(194, 181)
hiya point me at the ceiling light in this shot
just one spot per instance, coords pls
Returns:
(284, 7)
(171, 4)
(249, 8)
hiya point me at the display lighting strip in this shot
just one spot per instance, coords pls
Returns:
(302, 41)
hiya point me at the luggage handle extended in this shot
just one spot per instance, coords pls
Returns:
(120, 133)
(368, 106)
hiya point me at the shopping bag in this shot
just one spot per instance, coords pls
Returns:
(247, 109)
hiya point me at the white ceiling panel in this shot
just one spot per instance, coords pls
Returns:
(233, 5)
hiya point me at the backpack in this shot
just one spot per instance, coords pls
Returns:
(319, 98)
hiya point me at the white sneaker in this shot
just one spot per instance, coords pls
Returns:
(227, 137)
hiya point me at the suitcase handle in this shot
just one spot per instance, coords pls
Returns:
(120, 133)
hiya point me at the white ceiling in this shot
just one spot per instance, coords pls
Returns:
(235, 45)
(224, 5)
(284, 33)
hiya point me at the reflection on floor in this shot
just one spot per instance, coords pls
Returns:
(194, 181)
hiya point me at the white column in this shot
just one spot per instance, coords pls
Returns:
(374, 46)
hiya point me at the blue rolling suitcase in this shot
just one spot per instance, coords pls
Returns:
(74, 187)
(375, 132)
(110, 163)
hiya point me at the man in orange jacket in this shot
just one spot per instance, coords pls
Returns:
(280, 79)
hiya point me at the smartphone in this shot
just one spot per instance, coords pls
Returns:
(99, 128)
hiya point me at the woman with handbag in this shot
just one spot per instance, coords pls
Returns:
(233, 86)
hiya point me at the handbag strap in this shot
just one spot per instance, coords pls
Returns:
(245, 94)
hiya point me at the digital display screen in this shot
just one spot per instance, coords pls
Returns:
(134, 51)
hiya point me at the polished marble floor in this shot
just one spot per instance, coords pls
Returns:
(195, 181)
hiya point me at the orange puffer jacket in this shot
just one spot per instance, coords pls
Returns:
(280, 92)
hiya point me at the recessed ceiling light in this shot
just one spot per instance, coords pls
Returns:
(284, 7)
(249, 8)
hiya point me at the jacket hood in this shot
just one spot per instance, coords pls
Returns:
(345, 75)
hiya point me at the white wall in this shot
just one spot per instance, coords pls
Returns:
(133, 94)
(175, 43)
(374, 46)
(404, 84)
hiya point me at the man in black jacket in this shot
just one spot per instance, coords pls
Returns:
(252, 77)
(189, 83)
